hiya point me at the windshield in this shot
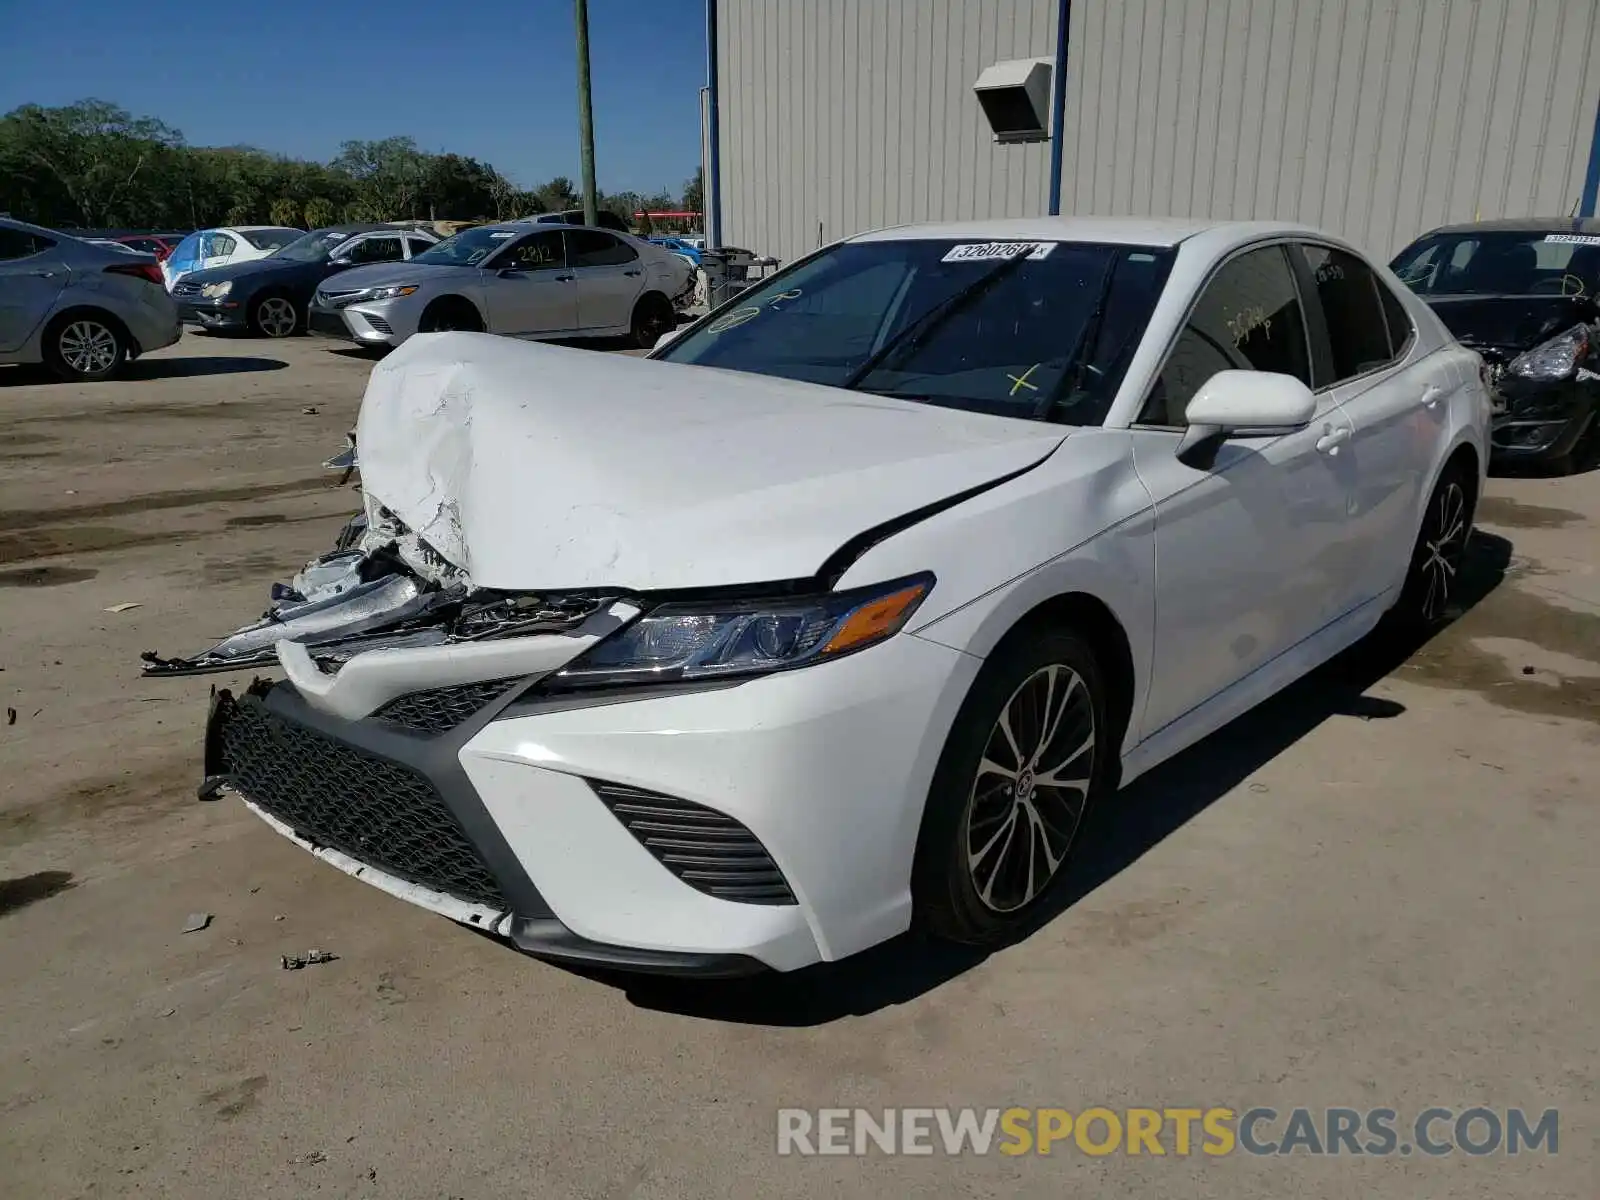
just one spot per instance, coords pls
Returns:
(269, 239)
(958, 324)
(467, 248)
(314, 246)
(1476, 262)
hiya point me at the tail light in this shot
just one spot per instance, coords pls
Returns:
(147, 271)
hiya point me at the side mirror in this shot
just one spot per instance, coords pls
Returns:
(1233, 402)
(664, 339)
(341, 261)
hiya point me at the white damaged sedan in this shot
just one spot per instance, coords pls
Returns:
(835, 618)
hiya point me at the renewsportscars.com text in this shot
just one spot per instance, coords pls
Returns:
(1218, 1131)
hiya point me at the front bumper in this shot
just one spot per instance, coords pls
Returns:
(212, 314)
(1541, 422)
(352, 324)
(713, 831)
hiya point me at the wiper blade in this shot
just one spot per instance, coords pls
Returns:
(913, 334)
(1072, 373)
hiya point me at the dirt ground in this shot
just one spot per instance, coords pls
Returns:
(1381, 889)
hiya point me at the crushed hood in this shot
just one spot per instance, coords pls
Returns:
(1510, 323)
(530, 466)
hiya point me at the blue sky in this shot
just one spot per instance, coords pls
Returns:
(495, 79)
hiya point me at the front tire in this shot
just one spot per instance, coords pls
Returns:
(85, 348)
(450, 316)
(1029, 754)
(275, 317)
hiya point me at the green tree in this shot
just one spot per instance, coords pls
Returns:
(98, 161)
(694, 193)
(557, 195)
(285, 211)
(320, 211)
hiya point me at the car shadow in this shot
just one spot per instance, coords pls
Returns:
(1151, 809)
(146, 370)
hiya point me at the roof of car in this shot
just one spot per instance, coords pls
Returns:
(1123, 231)
(1526, 225)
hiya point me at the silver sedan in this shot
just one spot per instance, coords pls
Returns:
(81, 309)
(519, 279)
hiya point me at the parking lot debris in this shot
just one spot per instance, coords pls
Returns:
(196, 922)
(312, 1159)
(309, 410)
(11, 716)
(124, 607)
(296, 962)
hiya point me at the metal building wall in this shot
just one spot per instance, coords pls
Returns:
(1375, 118)
(843, 115)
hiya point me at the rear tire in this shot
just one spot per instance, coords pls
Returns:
(1028, 756)
(1437, 556)
(652, 316)
(85, 347)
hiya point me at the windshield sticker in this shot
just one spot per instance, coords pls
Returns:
(987, 251)
(1574, 239)
(1584, 374)
(733, 320)
(498, 236)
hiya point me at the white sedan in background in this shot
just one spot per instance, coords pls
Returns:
(207, 248)
(522, 279)
(836, 617)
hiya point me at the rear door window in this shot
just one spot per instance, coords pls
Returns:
(14, 244)
(1347, 291)
(1248, 318)
(590, 248)
(376, 250)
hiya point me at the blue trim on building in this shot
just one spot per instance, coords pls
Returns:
(1058, 104)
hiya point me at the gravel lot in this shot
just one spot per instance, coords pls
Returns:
(1379, 890)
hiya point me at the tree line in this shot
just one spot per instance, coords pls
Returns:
(94, 165)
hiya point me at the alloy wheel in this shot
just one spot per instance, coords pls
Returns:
(1443, 543)
(276, 316)
(1031, 787)
(87, 347)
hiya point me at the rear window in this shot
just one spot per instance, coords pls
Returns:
(270, 239)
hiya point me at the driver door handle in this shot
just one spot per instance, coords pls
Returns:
(42, 274)
(1332, 439)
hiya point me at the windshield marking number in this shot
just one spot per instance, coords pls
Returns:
(733, 320)
(1574, 239)
(988, 251)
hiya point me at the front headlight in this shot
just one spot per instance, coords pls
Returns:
(681, 642)
(1555, 359)
(216, 291)
(386, 293)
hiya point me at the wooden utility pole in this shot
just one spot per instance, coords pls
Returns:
(591, 198)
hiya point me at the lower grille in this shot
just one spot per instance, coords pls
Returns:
(332, 794)
(708, 850)
(440, 710)
(184, 288)
(378, 324)
(329, 323)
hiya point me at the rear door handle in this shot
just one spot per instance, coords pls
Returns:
(631, 272)
(1431, 395)
(42, 274)
(1332, 439)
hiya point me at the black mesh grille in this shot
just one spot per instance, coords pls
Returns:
(374, 810)
(708, 850)
(378, 323)
(329, 323)
(440, 710)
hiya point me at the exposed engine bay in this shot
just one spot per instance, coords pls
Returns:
(380, 587)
